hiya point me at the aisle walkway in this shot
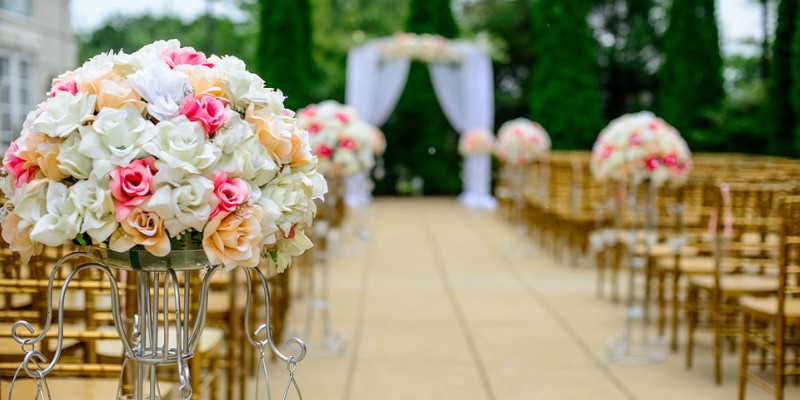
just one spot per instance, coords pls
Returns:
(435, 309)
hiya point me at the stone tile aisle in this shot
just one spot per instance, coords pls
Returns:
(434, 308)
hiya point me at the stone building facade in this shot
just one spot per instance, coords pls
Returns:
(36, 44)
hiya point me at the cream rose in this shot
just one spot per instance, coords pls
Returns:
(94, 202)
(64, 113)
(183, 201)
(62, 221)
(181, 144)
(71, 161)
(115, 138)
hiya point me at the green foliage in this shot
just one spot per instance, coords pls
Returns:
(284, 50)
(780, 115)
(420, 141)
(691, 89)
(628, 41)
(131, 33)
(564, 94)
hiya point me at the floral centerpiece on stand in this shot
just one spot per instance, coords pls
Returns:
(520, 142)
(343, 143)
(477, 141)
(162, 149)
(640, 147)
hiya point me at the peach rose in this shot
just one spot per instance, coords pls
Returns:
(115, 94)
(234, 239)
(271, 133)
(301, 150)
(204, 80)
(42, 150)
(19, 240)
(141, 227)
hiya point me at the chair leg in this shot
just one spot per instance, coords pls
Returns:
(780, 358)
(744, 355)
(214, 388)
(716, 324)
(662, 320)
(676, 276)
(601, 270)
(691, 322)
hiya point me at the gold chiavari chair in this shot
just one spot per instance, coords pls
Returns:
(745, 229)
(772, 324)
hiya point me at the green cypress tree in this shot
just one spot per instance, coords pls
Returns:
(690, 89)
(781, 118)
(564, 95)
(284, 50)
(420, 141)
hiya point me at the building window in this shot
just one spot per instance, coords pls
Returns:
(15, 94)
(17, 6)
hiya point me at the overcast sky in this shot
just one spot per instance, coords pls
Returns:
(739, 19)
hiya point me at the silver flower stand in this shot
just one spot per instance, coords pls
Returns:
(160, 314)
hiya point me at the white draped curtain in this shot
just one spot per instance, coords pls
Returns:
(465, 91)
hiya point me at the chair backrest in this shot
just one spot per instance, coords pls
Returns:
(789, 265)
(745, 227)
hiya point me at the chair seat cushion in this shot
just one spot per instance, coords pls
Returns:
(738, 284)
(768, 307)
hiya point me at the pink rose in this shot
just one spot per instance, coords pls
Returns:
(314, 128)
(343, 117)
(635, 140)
(671, 160)
(652, 163)
(607, 151)
(231, 193)
(132, 185)
(324, 151)
(349, 144)
(61, 86)
(186, 55)
(209, 111)
(309, 111)
(653, 125)
(19, 168)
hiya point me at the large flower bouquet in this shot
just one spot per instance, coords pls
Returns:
(476, 141)
(638, 147)
(162, 149)
(342, 142)
(424, 47)
(521, 141)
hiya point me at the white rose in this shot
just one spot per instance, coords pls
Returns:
(93, 200)
(115, 138)
(294, 191)
(269, 219)
(181, 144)
(62, 221)
(249, 161)
(63, 113)
(182, 201)
(347, 161)
(7, 186)
(241, 86)
(233, 133)
(162, 88)
(71, 161)
(30, 202)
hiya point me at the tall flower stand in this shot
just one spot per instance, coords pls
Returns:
(318, 329)
(164, 331)
(517, 179)
(635, 346)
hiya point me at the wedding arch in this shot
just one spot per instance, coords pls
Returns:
(461, 73)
